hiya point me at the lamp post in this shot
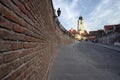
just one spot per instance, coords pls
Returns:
(57, 15)
(58, 12)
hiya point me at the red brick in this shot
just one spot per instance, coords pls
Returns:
(29, 45)
(28, 6)
(5, 69)
(8, 14)
(10, 56)
(1, 34)
(30, 63)
(16, 73)
(30, 39)
(1, 9)
(21, 6)
(25, 52)
(11, 16)
(20, 37)
(4, 33)
(21, 77)
(28, 32)
(1, 59)
(9, 35)
(4, 23)
(29, 27)
(11, 6)
(6, 2)
(17, 63)
(28, 57)
(18, 28)
(5, 46)
(27, 72)
(26, 45)
(17, 45)
(22, 22)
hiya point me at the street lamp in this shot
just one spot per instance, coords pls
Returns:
(58, 12)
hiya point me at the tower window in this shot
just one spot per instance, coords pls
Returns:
(81, 21)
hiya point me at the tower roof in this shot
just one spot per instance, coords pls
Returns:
(81, 18)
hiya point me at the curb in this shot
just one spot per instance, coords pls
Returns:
(110, 47)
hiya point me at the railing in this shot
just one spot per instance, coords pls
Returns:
(65, 32)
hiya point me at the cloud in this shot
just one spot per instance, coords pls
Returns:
(74, 3)
(107, 12)
(96, 13)
(68, 14)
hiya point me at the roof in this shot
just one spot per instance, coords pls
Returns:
(73, 31)
(95, 33)
(110, 27)
(81, 18)
(83, 34)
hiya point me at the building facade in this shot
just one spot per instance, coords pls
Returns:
(110, 35)
(75, 33)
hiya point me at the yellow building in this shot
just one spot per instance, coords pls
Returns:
(75, 33)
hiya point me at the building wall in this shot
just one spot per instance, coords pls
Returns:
(77, 37)
(110, 39)
(29, 36)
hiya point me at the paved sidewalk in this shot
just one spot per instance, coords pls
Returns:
(110, 47)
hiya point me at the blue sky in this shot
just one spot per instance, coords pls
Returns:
(96, 13)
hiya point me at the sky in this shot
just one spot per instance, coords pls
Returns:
(96, 13)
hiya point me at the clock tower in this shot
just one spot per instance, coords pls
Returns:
(80, 25)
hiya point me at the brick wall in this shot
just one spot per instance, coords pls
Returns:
(29, 36)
